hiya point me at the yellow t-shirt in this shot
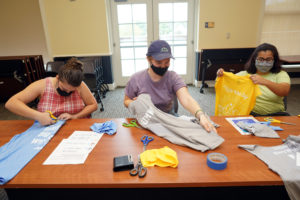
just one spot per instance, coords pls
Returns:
(268, 102)
(235, 95)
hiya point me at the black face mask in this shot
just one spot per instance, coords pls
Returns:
(63, 93)
(158, 70)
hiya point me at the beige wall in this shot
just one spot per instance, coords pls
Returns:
(281, 26)
(76, 28)
(80, 27)
(237, 23)
(21, 29)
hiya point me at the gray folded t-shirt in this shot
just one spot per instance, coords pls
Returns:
(174, 129)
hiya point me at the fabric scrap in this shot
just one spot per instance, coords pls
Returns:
(108, 127)
(258, 129)
(275, 128)
(163, 157)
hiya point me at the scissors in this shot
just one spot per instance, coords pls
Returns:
(272, 120)
(139, 169)
(132, 123)
(52, 116)
(145, 140)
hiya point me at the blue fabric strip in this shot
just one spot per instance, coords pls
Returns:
(15, 154)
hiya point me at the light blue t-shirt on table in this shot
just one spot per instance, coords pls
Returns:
(16, 153)
(162, 92)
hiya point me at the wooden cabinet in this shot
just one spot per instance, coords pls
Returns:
(16, 72)
(8, 87)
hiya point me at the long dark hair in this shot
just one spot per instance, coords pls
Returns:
(72, 72)
(250, 65)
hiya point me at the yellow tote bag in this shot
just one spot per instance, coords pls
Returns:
(235, 95)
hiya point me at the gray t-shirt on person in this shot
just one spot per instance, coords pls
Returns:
(162, 92)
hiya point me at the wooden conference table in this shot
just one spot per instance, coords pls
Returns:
(243, 168)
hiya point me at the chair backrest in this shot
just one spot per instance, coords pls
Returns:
(285, 102)
(54, 66)
(93, 72)
(88, 66)
(175, 105)
(90, 81)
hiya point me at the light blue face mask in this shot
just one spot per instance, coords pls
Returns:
(264, 66)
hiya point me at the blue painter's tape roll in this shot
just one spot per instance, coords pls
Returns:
(217, 161)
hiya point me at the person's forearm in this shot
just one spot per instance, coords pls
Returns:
(20, 108)
(278, 88)
(86, 111)
(187, 101)
(192, 106)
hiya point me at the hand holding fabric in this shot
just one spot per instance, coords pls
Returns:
(65, 116)
(207, 125)
(220, 72)
(257, 79)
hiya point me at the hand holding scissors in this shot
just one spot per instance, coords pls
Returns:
(138, 169)
(52, 116)
(132, 123)
(272, 120)
(145, 140)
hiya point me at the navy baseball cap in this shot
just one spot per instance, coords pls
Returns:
(159, 50)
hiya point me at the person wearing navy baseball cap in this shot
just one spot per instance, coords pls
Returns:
(164, 86)
(159, 50)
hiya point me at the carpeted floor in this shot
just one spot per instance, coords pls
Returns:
(114, 107)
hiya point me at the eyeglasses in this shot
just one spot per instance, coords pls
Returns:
(265, 60)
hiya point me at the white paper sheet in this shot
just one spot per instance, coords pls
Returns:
(75, 149)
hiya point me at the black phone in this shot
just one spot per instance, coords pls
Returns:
(122, 163)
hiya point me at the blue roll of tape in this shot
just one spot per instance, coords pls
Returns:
(216, 161)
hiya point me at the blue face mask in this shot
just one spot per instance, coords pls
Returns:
(264, 66)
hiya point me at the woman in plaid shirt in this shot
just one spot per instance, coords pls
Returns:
(65, 95)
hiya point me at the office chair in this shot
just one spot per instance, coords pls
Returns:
(285, 102)
(174, 110)
(52, 68)
(93, 80)
(103, 86)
